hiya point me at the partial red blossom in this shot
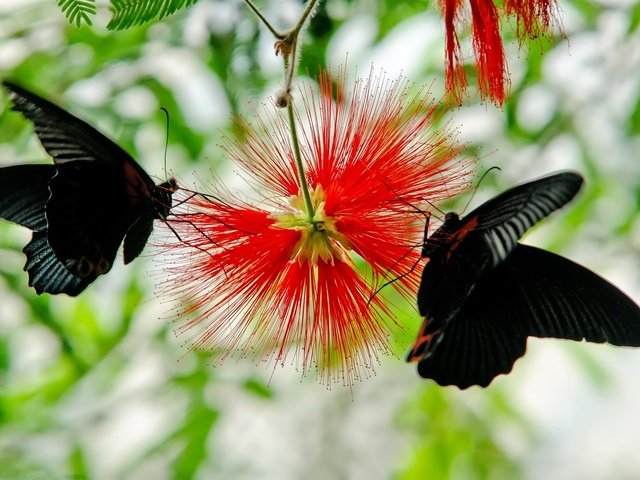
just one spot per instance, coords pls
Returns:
(259, 278)
(533, 18)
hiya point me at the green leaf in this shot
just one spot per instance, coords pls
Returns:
(128, 13)
(78, 11)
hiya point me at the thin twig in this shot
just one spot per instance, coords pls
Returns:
(264, 20)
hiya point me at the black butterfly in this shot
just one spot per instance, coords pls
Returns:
(82, 207)
(482, 293)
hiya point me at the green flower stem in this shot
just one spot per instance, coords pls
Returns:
(298, 158)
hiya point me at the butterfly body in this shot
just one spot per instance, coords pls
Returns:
(482, 293)
(93, 198)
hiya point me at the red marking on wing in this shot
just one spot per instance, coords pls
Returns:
(421, 345)
(416, 353)
(135, 185)
(459, 235)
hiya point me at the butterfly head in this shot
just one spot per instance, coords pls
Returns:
(162, 197)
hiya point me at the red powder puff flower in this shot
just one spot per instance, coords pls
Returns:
(263, 279)
(533, 17)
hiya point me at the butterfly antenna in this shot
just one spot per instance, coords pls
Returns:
(418, 210)
(475, 190)
(166, 139)
(435, 207)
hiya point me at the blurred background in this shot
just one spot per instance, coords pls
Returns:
(98, 387)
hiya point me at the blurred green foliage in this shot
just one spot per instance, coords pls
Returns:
(98, 387)
(453, 440)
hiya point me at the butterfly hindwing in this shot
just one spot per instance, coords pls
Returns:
(532, 293)
(463, 340)
(551, 296)
(473, 349)
(47, 273)
(24, 192)
(88, 216)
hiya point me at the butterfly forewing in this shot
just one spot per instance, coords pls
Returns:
(503, 220)
(448, 277)
(136, 237)
(138, 234)
(64, 136)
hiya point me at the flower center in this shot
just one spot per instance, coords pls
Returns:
(319, 237)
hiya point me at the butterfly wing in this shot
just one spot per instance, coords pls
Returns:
(138, 234)
(98, 193)
(551, 296)
(532, 293)
(24, 193)
(501, 221)
(137, 237)
(88, 215)
(46, 272)
(67, 138)
(473, 348)
(463, 252)
(463, 340)
(448, 278)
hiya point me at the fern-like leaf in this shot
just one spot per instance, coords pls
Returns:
(78, 11)
(128, 13)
